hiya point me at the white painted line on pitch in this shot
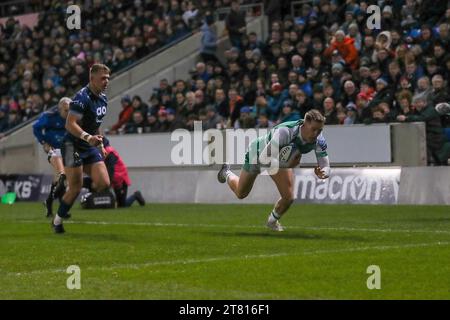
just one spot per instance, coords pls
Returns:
(193, 225)
(245, 257)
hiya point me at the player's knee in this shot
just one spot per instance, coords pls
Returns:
(102, 185)
(242, 194)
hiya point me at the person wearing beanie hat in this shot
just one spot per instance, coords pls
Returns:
(381, 81)
(384, 93)
(337, 66)
(387, 10)
(173, 122)
(351, 114)
(287, 113)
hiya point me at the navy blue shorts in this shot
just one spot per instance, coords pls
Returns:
(73, 157)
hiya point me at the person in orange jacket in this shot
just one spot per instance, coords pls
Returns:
(346, 48)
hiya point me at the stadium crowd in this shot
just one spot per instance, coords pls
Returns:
(325, 59)
(39, 66)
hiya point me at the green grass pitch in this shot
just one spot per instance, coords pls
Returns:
(191, 251)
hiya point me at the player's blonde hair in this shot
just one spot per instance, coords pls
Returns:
(64, 100)
(99, 67)
(314, 115)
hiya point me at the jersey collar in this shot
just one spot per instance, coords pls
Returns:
(300, 134)
(91, 93)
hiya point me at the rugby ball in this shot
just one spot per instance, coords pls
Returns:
(287, 152)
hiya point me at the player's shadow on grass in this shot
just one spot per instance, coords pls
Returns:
(291, 234)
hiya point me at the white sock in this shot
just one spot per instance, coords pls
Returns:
(57, 221)
(228, 174)
(273, 216)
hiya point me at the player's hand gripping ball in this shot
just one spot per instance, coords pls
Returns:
(320, 173)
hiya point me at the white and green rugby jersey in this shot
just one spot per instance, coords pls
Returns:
(286, 133)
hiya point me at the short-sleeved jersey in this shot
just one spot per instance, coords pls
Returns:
(91, 110)
(50, 128)
(287, 133)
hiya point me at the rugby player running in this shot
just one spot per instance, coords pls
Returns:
(82, 148)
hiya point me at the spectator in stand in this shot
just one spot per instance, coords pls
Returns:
(124, 115)
(213, 120)
(378, 116)
(209, 40)
(264, 122)
(200, 102)
(139, 105)
(275, 101)
(411, 45)
(330, 112)
(423, 87)
(163, 124)
(246, 119)
(404, 101)
(190, 13)
(13, 120)
(350, 93)
(438, 92)
(50, 58)
(346, 48)
(383, 93)
(351, 114)
(288, 113)
(137, 123)
(235, 24)
(3, 118)
(235, 103)
(438, 150)
(188, 106)
(173, 121)
(221, 104)
(152, 124)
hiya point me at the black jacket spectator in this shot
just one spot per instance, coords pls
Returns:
(437, 149)
(235, 24)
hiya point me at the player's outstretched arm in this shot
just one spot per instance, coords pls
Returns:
(323, 161)
(323, 167)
